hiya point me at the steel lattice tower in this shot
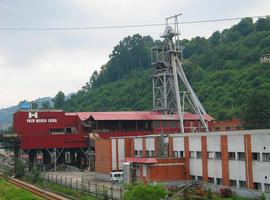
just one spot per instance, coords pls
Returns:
(167, 68)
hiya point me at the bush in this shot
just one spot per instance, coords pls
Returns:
(225, 192)
(145, 192)
(19, 168)
(262, 197)
(209, 194)
(35, 174)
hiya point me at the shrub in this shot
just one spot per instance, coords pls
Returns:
(209, 194)
(225, 192)
(35, 174)
(145, 192)
(262, 197)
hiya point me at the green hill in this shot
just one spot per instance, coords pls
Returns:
(224, 71)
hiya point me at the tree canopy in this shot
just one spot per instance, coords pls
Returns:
(59, 100)
(223, 70)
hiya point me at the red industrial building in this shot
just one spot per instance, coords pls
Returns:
(66, 137)
(227, 125)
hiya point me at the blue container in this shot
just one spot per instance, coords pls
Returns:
(24, 105)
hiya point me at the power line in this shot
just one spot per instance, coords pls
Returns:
(121, 26)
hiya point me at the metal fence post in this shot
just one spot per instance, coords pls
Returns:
(76, 184)
(111, 191)
(121, 195)
(96, 188)
(70, 183)
(82, 187)
(103, 188)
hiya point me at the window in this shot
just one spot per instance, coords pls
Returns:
(228, 128)
(211, 180)
(241, 155)
(256, 156)
(181, 154)
(210, 155)
(164, 124)
(136, 153)
(173, 124)
(193, 177)
(233, 183)
(218, 155)
(70, 130)
(219, 181)
(140, 153)
(150, 153)
(239, 128)
(199, 154)
(156, 124)
(231, 155)
(267, 187)
(199, 178)
(257, 186)
(242, 184)
(57, 130)
(192, 154)
(266, 157)
(175, 153)
(217, 129)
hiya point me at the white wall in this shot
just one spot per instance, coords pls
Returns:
(138, 144)
(113, 154)
(196, 167)
(195, 143)
(121, 153)
(178, 144)
(150, 144)
(236, 143)
(261, 170)
(213, 143)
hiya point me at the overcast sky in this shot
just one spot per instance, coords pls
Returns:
(40, 63)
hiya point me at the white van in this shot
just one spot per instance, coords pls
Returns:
(117, 176)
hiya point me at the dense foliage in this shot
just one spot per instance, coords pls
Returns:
(224, 71)
(145, 192)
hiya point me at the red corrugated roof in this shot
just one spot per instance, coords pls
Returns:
(141, 160)
(136, 115)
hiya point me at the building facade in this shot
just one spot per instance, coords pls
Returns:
(238, 159)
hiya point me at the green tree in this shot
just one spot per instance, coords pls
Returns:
(45, 105)
(246, 26)
(145, 192)
(256, 114)
(34, 105)
(263, 24)
(59, 100)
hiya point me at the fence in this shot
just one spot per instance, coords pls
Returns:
(87, 187)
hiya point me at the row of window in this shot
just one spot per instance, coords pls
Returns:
(139, 153)
(256, 156)
(229, 128)
(211, 155)
(233, 183)
(69, 130)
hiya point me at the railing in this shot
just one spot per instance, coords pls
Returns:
(92, 188)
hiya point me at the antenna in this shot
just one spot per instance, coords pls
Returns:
(167, 69)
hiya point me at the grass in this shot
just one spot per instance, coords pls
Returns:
(9, 191)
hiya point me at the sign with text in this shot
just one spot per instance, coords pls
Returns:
(33, 118)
